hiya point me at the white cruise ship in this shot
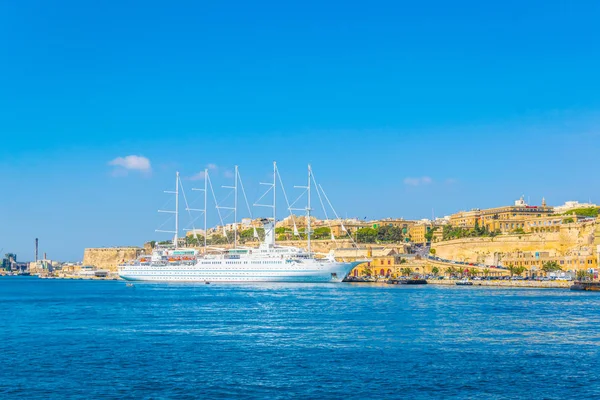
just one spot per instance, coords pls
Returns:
(267, 263)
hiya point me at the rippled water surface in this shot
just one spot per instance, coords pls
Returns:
(92, 339)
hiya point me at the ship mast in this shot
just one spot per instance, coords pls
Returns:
(177, 210)
(272, 186)
(203, 210)
(308, 209)
(235, 199)
(205, 206)
(274, 196)
(234, 208)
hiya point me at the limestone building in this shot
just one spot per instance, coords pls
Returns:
(504, 219)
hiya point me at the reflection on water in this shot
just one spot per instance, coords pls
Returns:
(93, 339)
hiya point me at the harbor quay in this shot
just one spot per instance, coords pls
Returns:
(550, 284)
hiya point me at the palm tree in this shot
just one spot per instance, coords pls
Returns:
(551, 266)
(406, 271)
(486, 272)
(516, 270)
(511, 269)
(367, 271)
(583, 275)
(450, 271)
(435, 271)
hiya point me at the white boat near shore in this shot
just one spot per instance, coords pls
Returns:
(267, 263)
(464, 282)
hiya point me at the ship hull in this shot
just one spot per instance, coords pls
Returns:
(319, 272)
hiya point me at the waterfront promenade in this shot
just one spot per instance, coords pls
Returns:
(507, 284)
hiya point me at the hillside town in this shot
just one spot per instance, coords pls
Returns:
(521, 241)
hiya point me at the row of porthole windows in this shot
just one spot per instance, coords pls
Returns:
(267, 266)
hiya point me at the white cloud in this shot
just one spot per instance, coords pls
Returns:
(424, 180)
(451, 181)
(228, 174)
(131, 163)
(200, 176)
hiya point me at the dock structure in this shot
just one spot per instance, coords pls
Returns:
(589, 286)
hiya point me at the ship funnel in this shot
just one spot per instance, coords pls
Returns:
(269, 227)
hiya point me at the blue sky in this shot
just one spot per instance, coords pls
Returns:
(401, 107)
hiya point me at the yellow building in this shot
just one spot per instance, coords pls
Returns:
(534, 261)
(504, 219)
(341, 228)
(384, 261)
(465, 219)
(438, 233)
(418, 232)
(298, 220)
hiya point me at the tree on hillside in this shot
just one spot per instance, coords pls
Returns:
(429, 234)
(478, 230)
(217, 239)
(247, 235)
(366, 235)
(281, 230)
(192, 241)
(584, 212)
(432, 251)
(322, 233)
(389, 234)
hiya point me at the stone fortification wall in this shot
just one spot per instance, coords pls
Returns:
(484, 249)
(319, 246)
(109, 258)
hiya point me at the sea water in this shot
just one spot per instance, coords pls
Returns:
(102, 339)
